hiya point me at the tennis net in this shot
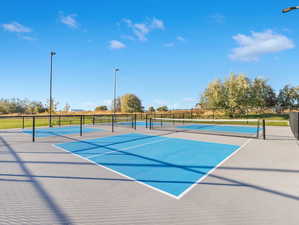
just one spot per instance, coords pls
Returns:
(227, 127)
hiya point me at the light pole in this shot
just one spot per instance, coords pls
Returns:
(114, 97)
(286, 10)
(51, 81)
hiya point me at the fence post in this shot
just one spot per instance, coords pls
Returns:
(146, 121)
(33, 128)
(81, 124)
(264, 129)
(93, 120)
(112, 122)
(135, 121)
(23, 122)
(59, 120)
(150, 126)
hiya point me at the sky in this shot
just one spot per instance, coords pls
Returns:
(167, 51)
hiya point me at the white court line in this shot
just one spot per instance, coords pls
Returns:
(123, 149)
(212, 170)
(154, 188)
(121, 174)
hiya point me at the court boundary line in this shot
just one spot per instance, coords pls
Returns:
(177, 197)
(128, 148)
(119, 173)
(212, 170)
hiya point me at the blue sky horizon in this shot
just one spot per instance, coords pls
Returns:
(167, 51)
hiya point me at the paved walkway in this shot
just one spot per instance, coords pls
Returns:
(40, 184)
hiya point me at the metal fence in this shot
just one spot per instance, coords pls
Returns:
(34, 124)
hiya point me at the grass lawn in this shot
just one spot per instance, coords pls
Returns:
(6, 123)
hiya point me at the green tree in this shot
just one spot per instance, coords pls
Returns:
(4, 108)
(117, 105)
(54, 105)
(32, 108)
(236, 94)
(131, 103)
(262, 95)
(163, 108)
(101, 108)
(288, 97)
(151, 109)
(213, 96)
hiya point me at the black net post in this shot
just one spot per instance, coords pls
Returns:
(135, 121)
(112, 123)
(146, 121)
(59, 120)
(132, 120)
(264, 129)
(33, 129)
(23, 122)
(93, 120)
(81, 124)
(151, 123)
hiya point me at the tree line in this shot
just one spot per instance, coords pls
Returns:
(129, 103)
(25, 106)
(237, 94)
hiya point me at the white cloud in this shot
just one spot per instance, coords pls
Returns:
(251, 47)
(69, 20)
(141, 30)
(169, 45)
(180, 38)
(218, 18)
(16, 27)
(157, 24)
(28, 38)
(114, 44)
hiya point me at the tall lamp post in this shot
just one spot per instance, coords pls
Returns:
(114, 98)
(286, 10)
(51, 81)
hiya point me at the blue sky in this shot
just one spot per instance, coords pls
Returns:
(167, 51)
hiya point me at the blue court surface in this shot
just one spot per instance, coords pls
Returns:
(138, 123)
(221, 128)
(170, 165)
(54, 131)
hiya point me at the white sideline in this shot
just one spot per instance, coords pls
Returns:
(147, 185)
(212, 170)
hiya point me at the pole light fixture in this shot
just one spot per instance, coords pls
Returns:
(286, 10)
(114, 96)
(51, 85)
